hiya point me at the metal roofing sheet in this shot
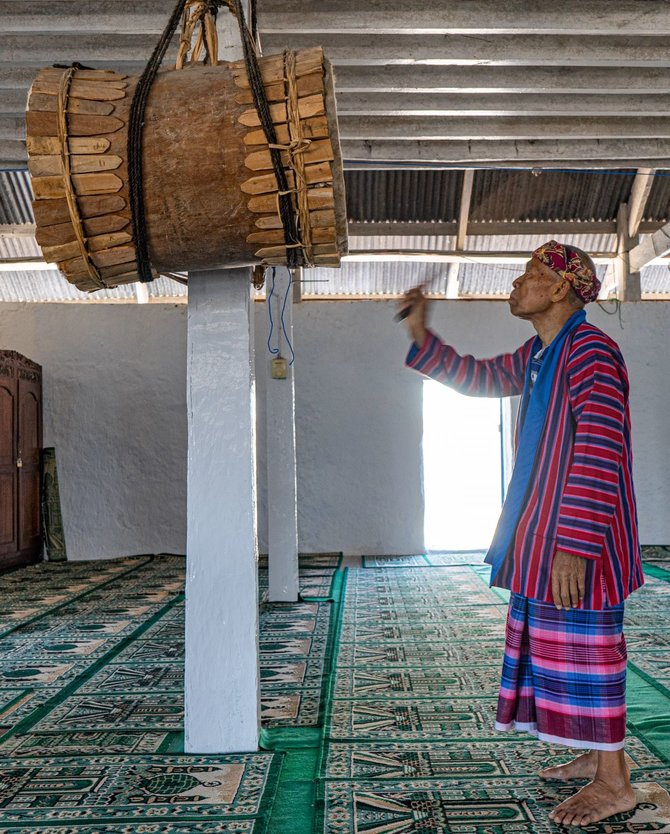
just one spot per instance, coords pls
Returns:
(527, 243)
(403, 195)
(15, 197)
(655, 279)
(658, 204)
(18, 246)
(51, 285)
(375, 278)
(521, 195)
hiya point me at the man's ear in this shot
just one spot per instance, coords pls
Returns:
(561, 290)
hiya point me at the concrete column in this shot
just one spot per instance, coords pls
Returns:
(281, 467)
(222, 673)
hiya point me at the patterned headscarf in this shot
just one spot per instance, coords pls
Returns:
(570, 265)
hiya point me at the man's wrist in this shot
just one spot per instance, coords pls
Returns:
(419, 334)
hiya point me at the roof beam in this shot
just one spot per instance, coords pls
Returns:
(542, 17)
(27, 265)
(639, 196)
(449, 50)
(17, 229)
(553, 153)
(482, 79)
(479, 228)
(146, 18)
(464, 208)
(346, 16)
(434, 129)
(436, 79)
(629, 287)
(465, 105)
(441, 256)
(496, 104)
(650, 248)
(22, 48)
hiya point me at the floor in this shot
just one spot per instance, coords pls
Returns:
(378, 695)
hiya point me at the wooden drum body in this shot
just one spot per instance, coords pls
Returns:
(210, 192)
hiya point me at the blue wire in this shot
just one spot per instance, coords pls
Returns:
(276, 351)
(273, 351)
(283, 325)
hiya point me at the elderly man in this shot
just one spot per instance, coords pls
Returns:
(566, 545)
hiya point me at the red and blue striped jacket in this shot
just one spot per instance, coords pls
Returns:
(581, 498)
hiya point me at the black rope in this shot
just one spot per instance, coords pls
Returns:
(254, 20)
(134, 144)
(136, 125)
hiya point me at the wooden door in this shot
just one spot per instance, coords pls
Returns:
(8, 479)
(20, 471)
(29, 475)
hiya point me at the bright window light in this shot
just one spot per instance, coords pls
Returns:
(462, 468)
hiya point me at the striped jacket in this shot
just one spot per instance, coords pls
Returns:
(581, 499)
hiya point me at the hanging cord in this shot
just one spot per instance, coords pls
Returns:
(273, 351)
(283, 323)
(135, 129)
(136, 124)
(254, 20)
(277, 351)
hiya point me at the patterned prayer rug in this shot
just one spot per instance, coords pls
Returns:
(463, 557)
(395, 561)
(139, 788)
(520, 805)
(455, 759)
(655, 553)
(91, 701)
(410, 742)
(412, 719)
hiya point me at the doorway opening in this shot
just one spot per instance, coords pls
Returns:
(463, 464)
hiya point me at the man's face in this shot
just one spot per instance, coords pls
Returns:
(532, 292)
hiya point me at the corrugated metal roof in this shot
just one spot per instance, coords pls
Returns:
(433, 243)
(51, 285)
(655, 279)
(403, 195)
(527, 243)
(658, 205)
(15, 197)
(494, 279)
(385, 196)
(520, 195)
(18, 246)
(375, 278)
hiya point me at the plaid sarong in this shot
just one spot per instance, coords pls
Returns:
(564, 674)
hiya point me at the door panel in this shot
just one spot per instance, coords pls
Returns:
(29, 508)
(8, 479)
(7, 512)
(7, 423)
(29, 442)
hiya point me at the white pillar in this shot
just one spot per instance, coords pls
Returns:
(281, 468)
(222, 675)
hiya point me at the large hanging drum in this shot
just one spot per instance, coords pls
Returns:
(210, 192)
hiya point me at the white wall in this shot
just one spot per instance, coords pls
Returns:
(115, 410)
(359, 415)
(114, 392)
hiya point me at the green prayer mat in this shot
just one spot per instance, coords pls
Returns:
(410, 743)
(378, 699)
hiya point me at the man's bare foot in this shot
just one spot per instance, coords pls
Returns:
(583, 767)
(594, 802)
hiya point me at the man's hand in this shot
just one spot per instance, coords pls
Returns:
(416, 302)
(568, 579)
